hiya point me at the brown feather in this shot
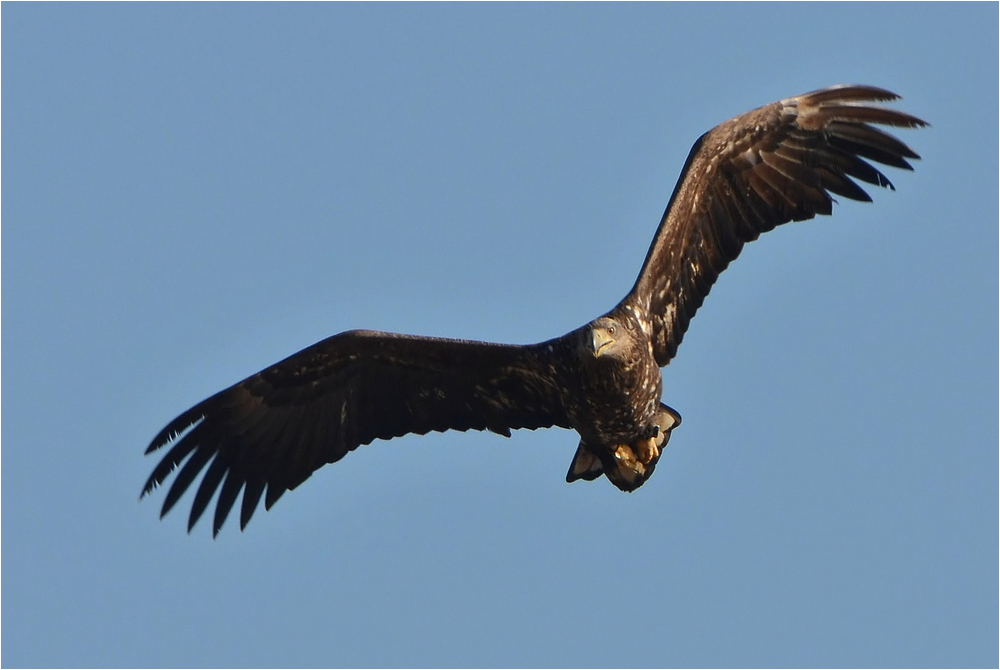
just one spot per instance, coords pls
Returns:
(772, 165)
(270, 432)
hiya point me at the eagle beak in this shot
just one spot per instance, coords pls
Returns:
(599, 338)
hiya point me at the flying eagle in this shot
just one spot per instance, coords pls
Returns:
(268, 433)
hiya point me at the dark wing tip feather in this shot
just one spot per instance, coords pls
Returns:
(187, 474)
(171, 461)
(209, 484)
(251, 497)
(274, 493)
(850, 92)
(177, 427)
(846, 101)
(844, 122)
(227, 498)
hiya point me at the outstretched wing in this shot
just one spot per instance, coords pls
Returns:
(772, 165)
(273, 429)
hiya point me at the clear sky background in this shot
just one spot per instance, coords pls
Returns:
(192, 192)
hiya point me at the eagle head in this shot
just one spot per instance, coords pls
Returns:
(605, 337)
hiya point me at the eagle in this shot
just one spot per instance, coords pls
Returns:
(782, 162)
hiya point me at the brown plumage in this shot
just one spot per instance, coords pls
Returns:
(266, 434)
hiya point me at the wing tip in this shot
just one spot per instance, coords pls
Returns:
(852, 98)
(176, 428)
(849, 92)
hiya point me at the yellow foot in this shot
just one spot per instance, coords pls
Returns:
(628, 473)
(646, 451)
(627, 458)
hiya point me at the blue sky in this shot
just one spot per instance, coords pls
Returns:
(192, 192)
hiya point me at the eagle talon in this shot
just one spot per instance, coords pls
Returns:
(646, 450)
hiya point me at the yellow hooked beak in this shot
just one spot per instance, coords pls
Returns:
(599, 339)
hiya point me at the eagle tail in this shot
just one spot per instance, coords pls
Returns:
(586, 465)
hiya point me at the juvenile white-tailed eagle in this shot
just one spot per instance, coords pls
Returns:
(779, 163)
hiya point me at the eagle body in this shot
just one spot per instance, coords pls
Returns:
(779, 163)
(619, 386)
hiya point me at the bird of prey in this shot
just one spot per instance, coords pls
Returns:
(268, 433)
